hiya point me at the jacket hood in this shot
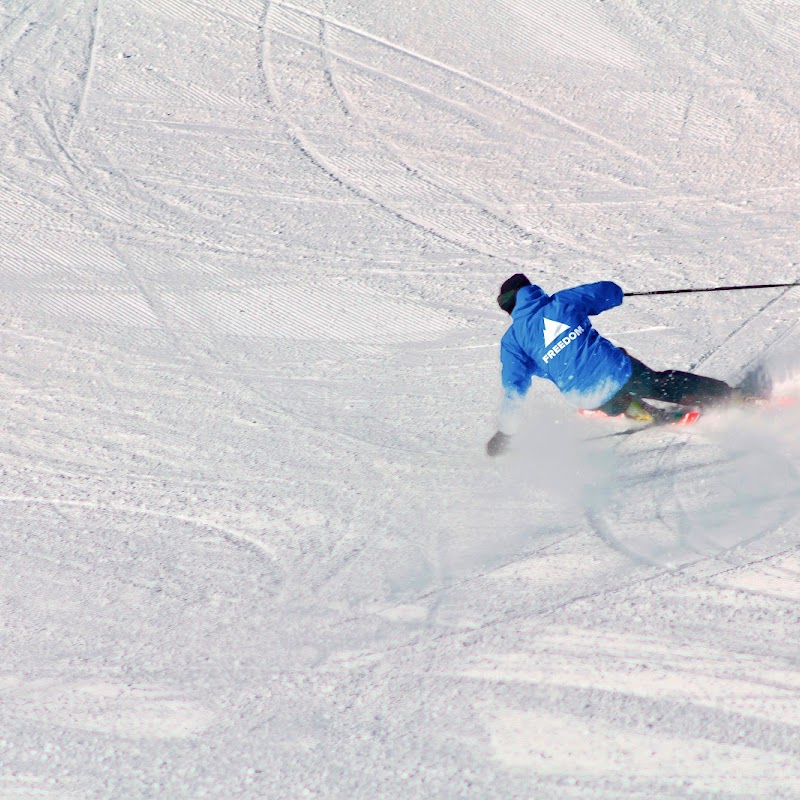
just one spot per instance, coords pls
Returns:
(529, 300)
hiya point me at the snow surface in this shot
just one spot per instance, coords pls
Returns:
(250, 544)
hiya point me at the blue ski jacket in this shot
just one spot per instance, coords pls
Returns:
(551, 337)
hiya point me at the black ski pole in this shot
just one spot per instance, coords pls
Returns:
(715, 289)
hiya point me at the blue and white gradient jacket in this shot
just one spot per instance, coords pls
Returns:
(551, 337)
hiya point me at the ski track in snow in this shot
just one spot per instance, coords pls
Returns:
(250, 545)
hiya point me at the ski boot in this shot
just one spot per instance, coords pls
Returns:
(755, 386)
(640, 411)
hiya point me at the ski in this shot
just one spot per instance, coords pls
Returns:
(679, 418)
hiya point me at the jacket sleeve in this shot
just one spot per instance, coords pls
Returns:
(592, 298)
(517, 372)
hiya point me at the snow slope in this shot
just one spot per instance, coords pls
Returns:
(250, 545)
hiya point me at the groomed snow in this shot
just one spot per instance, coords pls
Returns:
(250, 543)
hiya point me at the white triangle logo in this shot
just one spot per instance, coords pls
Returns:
(552, 330)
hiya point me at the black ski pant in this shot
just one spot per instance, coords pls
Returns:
(670, 386)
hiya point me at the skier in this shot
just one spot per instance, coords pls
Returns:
(551, 337)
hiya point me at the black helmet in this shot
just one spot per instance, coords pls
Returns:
(508, 291)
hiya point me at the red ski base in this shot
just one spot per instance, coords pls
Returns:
(679, 417)
(684, 417)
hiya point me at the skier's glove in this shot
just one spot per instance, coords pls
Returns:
(498, 444)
